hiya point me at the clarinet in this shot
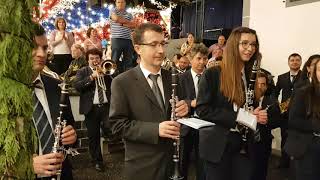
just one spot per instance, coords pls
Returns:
(249, 106)
(176, 144)
(58, 147)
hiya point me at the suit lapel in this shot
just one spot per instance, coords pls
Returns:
(191, 84)
(52, 98)
(142, 82)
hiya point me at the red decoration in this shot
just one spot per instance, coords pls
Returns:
(46, 6)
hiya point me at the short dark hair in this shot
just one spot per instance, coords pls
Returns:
(38, 30)
(294, 55)
(198, 48)
(138, 33)
(262, 75)
(89, 31)
(94, 51)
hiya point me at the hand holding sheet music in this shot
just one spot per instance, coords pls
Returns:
(246, 118)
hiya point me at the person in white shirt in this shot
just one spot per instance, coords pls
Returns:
(61, 42)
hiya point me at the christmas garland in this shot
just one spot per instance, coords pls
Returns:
(18, 140)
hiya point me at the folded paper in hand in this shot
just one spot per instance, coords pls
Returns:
(246, 118)
(195, 123)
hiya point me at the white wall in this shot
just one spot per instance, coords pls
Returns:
(282, 31)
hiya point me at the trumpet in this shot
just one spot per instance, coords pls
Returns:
(106, 68)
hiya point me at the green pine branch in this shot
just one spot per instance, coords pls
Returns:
(18, 139)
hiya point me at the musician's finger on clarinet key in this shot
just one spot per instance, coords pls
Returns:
(181, 108)
(69, 135)
(169, 129)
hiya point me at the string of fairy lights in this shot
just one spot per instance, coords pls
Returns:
(79, 17)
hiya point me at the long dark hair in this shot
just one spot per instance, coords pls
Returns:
(304, 74)
(313, 92)
(230, 79)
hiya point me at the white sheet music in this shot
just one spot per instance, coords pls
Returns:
(246, 118)
(195, 123)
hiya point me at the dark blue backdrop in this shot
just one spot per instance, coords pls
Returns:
(226, 14)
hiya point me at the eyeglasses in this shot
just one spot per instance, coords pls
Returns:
(246, 44)
(155, 44)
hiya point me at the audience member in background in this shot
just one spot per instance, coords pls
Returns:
(77, 63)
(262, 149)
(285, 83)
(182, 63)
(61, 42)
(216, 54)
(188, 81)
(187, 46)
(121, 23)
(175, 31)
(219, 45)
(92, 41)
(304, 128)
(94, 88)
(107, 51)
(305, 77)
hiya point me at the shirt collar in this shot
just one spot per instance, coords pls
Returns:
(147, 72)
(38, 81)
(194, 74)
(293, 73)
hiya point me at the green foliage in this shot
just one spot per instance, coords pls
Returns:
(18, 139)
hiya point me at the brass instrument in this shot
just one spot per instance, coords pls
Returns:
(107, 67)
(167, 64)
(176, 175)
(284, 106)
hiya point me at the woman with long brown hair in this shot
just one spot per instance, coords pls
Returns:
(221, 94)
(304, 128)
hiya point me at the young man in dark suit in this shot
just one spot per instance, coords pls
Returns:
(262, 148)
(47, 96)
(94, 88)
(285, 83)
(189, 84)
(140, 109)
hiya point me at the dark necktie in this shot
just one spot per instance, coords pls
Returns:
(40, 119)
(156, 90)
(198, 76)
(100, 94)
(293, 78)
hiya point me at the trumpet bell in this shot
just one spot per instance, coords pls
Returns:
(108, 67)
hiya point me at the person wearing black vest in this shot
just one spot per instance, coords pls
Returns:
(285, 83)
